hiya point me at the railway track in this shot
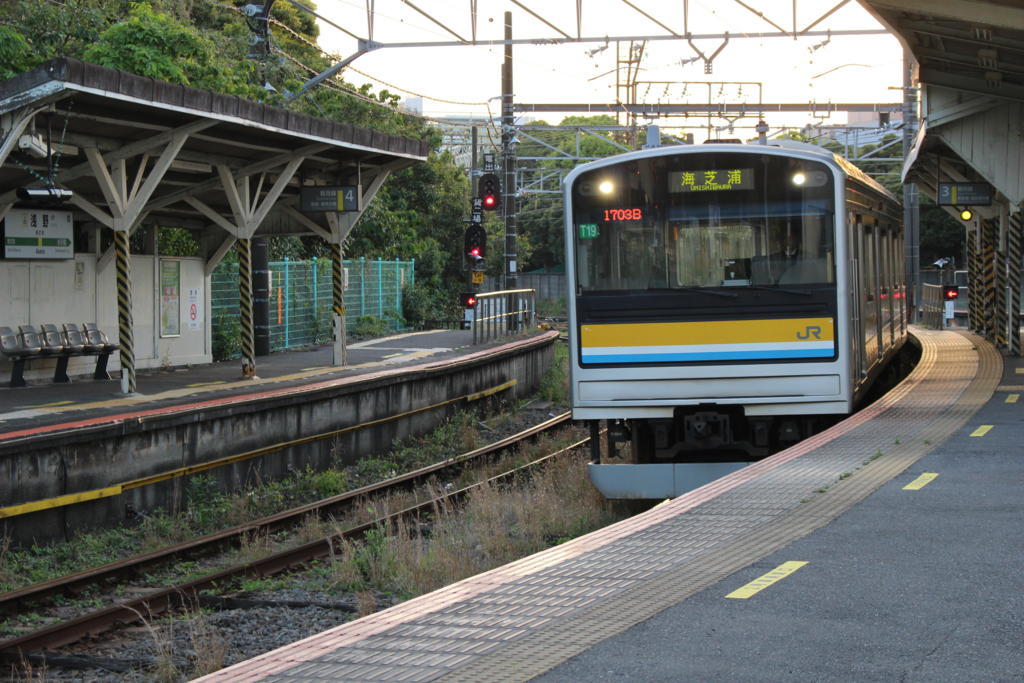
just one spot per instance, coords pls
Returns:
(190, 594)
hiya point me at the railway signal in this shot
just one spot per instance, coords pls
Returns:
(489, 191)
(950, 292)
(475, 246)
(467, 299)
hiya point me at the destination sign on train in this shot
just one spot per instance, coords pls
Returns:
(711, 180)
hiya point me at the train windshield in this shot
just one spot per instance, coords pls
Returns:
(704, 220)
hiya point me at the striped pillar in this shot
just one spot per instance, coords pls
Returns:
(973, 279)
(999, 285)
(126, 336)
(245, 307)
(338, 304)
(1013, 256)
(988, 285)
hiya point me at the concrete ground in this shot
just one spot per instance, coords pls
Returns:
(909, 585)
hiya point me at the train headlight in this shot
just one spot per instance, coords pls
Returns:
(799, 178)
(606, 187)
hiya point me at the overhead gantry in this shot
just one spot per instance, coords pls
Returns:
(146, 151)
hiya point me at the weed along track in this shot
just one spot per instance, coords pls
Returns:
(345, 555)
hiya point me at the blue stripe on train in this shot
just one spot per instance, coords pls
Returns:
(705, 356)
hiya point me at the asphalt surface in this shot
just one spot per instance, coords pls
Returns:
(922, 585)
(44, 403)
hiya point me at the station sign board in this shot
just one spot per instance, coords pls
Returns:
(965, 194)
(329, 198)
(38, 234)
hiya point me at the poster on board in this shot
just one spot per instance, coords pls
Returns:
(170, 298)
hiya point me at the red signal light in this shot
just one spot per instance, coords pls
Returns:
(950, 292)
(489, 191)
(467, 299)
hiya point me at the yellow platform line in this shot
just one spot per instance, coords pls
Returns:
(52, 405)
(199, 387)
(982, 430)
(762, 582)
(117, 489)
(1012, 398)
(921, 481)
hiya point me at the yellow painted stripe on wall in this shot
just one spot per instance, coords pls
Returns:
(118, 489)
(708, 332)
(60, 501)
(762, 582)
(981, 431)
(921, 481)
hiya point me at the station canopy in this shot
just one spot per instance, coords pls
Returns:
(970, 64)
(173, 153)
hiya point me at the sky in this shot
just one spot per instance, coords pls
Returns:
(462, 80)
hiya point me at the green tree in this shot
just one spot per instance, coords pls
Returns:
(541, 221)
(15, 53)
(208, 45)
(158, 45)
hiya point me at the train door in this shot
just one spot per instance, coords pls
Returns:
(869, 291)
(886, 290)
(856, 334)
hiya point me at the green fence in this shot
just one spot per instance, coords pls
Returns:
(300, 298)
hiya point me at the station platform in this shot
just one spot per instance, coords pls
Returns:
(885, 548)
(45, 404)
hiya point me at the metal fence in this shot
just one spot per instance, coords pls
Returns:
(301, 298)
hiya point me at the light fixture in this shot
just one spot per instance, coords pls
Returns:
(966, 214)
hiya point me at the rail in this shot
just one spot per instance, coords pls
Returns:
(504, 312)
(36, 645)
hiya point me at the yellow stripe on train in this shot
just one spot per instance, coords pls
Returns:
(708, 332)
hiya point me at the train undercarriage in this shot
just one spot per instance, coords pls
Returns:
(703, 433)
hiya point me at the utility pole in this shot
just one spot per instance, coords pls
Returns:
(911, 211)
(508, 159)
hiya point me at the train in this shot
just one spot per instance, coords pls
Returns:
(725, 301)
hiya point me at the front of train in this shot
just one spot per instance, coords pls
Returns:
(705, 325)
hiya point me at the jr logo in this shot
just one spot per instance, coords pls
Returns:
(811, 331)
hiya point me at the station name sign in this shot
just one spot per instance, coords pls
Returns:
(965, 194)
(329, 198)
(38, 234)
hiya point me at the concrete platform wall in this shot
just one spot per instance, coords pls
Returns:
(98, 457)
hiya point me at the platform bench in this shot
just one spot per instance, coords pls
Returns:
(62, 344)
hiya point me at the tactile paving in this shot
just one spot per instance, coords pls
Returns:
(520, 620)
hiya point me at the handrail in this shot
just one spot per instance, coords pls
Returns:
(932, 306)
(503, 312)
